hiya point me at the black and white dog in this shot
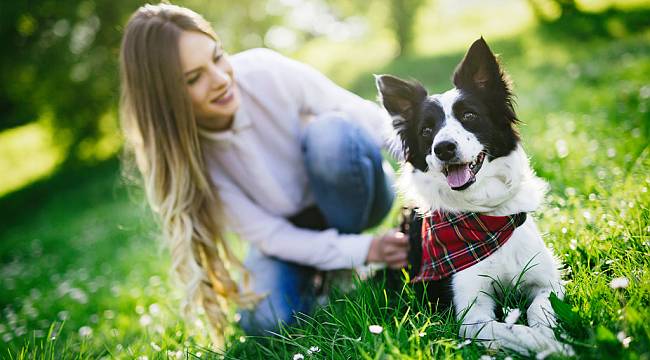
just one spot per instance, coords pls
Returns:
(462, 155)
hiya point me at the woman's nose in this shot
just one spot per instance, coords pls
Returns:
(219, 76)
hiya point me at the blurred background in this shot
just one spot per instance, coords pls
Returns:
(78, 245)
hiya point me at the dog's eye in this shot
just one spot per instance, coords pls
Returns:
(469, 116)
(426, 132)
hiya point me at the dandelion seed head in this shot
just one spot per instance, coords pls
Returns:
(85, 331)
(242, 339)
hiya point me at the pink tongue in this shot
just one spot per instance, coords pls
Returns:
(459, 175)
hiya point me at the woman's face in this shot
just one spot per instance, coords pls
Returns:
(209, 80)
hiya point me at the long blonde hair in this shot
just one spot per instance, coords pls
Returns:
(161, 131)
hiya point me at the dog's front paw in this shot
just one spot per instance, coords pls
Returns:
(556, 347)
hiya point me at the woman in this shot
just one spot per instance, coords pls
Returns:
(254, 143)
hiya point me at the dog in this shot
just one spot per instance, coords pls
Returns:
(464, 168)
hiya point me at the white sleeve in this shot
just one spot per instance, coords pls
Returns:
(317, 94)
(277, 237)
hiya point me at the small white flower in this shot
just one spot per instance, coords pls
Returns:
(85, 331)
(242, 339)
(513, 316)
(375, 329)
(463, 344)
(624, 339)
(619, 283)
(298, 356)
(143, 357)
(155, 346)
(154, 309)
(486, 357)
(145, 320)
(313, 349)
(174, 354)
(422, 334)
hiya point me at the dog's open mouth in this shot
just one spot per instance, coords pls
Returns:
(461, 176)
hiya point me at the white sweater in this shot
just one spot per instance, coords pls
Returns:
(257, 164)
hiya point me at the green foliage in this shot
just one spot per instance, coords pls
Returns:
(403, 16)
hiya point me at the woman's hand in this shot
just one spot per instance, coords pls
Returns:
(391, 248)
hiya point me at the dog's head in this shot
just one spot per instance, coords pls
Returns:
(456, 134)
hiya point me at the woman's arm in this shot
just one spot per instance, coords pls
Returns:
(316, 94)
(276, 236)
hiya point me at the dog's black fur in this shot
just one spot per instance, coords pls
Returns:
(486, 92)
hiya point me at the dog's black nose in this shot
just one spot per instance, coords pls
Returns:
(445, 150)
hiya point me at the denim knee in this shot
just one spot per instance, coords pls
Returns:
(328, 145)
(344, 166)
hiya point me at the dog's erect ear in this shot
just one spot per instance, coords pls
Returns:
(480, 73)
(480, 70)
(400, 97)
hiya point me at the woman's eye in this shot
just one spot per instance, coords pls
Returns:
(426, 132)
(193, 79)
(469, 116)
(217, 58)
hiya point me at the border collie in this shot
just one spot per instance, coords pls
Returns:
(465, 170)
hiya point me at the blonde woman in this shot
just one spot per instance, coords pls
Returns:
(256, 144)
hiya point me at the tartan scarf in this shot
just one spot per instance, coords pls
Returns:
(452, 242)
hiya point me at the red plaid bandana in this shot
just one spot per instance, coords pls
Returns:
(452, 242)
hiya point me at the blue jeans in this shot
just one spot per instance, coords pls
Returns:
(353, 193)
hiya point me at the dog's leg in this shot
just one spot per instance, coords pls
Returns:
(541, 315)
(540, 312)
(472, 298)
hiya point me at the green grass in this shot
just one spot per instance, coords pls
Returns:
(84, 276)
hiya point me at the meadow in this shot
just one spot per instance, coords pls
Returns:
(84, 275)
